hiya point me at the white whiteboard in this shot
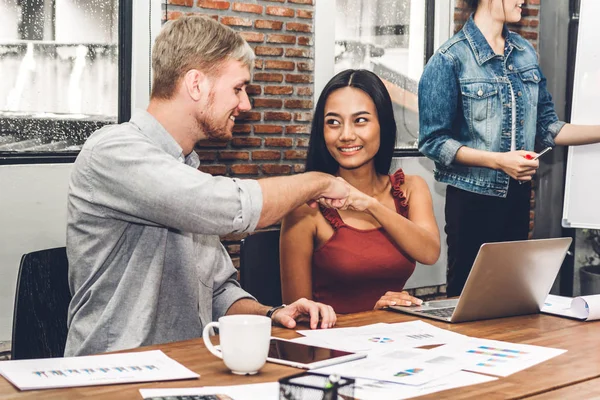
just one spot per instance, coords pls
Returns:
(582, 190)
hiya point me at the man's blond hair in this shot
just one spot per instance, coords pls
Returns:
(194, 42)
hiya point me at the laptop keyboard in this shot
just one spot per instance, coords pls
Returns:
(440, 312)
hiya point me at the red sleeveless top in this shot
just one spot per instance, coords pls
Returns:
(355, 267)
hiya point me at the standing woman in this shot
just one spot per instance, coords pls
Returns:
(483, 106)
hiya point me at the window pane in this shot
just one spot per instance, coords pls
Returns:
(59, 63)
(388, 38)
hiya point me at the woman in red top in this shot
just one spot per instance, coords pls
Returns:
(359, 257)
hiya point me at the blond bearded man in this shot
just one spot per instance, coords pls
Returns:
(146, 264)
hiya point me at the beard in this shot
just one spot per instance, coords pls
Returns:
(208, 124)
(212, 129)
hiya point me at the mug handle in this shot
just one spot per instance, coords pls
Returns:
(207, 342)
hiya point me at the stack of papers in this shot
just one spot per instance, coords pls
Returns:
(396, 368)
(107, 369)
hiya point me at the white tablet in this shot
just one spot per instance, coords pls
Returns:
(300, 355)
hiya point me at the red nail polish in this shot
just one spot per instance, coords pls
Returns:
(529, 156)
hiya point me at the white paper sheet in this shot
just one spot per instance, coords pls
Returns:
(365, 389)
(342, 331)
(256, 391)
(494, 357)
(393, 367)
(93, 370)
(382, 337)
(586, 308)
(378, 390)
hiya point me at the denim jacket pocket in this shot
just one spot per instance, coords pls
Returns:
(480, 104)
(531, 80)
(478, 99)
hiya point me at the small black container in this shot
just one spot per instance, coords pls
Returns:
(314, 386)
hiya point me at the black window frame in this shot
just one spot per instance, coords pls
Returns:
(125, 44)
(429, 50)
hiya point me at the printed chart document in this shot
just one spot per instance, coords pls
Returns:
(412, 368)
(381, 337)
(493, 357)
(585, 308)
(366, 389)
(257, 391)
(106, 369)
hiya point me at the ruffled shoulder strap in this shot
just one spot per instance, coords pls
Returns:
(397, 180)
(332, 216)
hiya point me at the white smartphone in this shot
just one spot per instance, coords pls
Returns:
(541, 153)
(305, 356)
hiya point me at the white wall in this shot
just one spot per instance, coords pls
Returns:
(33, 210)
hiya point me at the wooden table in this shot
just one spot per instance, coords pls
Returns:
(589, 390)
(573, 372)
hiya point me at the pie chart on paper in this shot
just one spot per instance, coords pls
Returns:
(380, 339)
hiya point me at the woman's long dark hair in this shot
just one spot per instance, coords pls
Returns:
(318, 158)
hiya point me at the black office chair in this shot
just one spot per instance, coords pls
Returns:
(259, 267)
(41, 303)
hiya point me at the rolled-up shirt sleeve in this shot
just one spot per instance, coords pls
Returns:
(548, 124)
(156, 188)
(250, 195)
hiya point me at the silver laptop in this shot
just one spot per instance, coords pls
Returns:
(507, 279)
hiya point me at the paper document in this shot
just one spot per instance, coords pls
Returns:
(378, 337)
(341, 332)
(366, 389)
(494, 357)
(106, 369)
(585, 308)
(257, 391)
(400, 366)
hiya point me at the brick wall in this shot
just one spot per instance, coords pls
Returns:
(272, 138)
(529, 28)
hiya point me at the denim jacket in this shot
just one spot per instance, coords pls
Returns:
(466, 99)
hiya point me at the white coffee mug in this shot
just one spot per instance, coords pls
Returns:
(244, 342)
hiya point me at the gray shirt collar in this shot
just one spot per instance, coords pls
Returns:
(151, 128)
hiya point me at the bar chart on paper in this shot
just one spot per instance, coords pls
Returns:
(497, 356)
(494, 357)
(421, 336)
(93, 370)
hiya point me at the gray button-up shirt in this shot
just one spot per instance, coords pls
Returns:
(146, 264)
